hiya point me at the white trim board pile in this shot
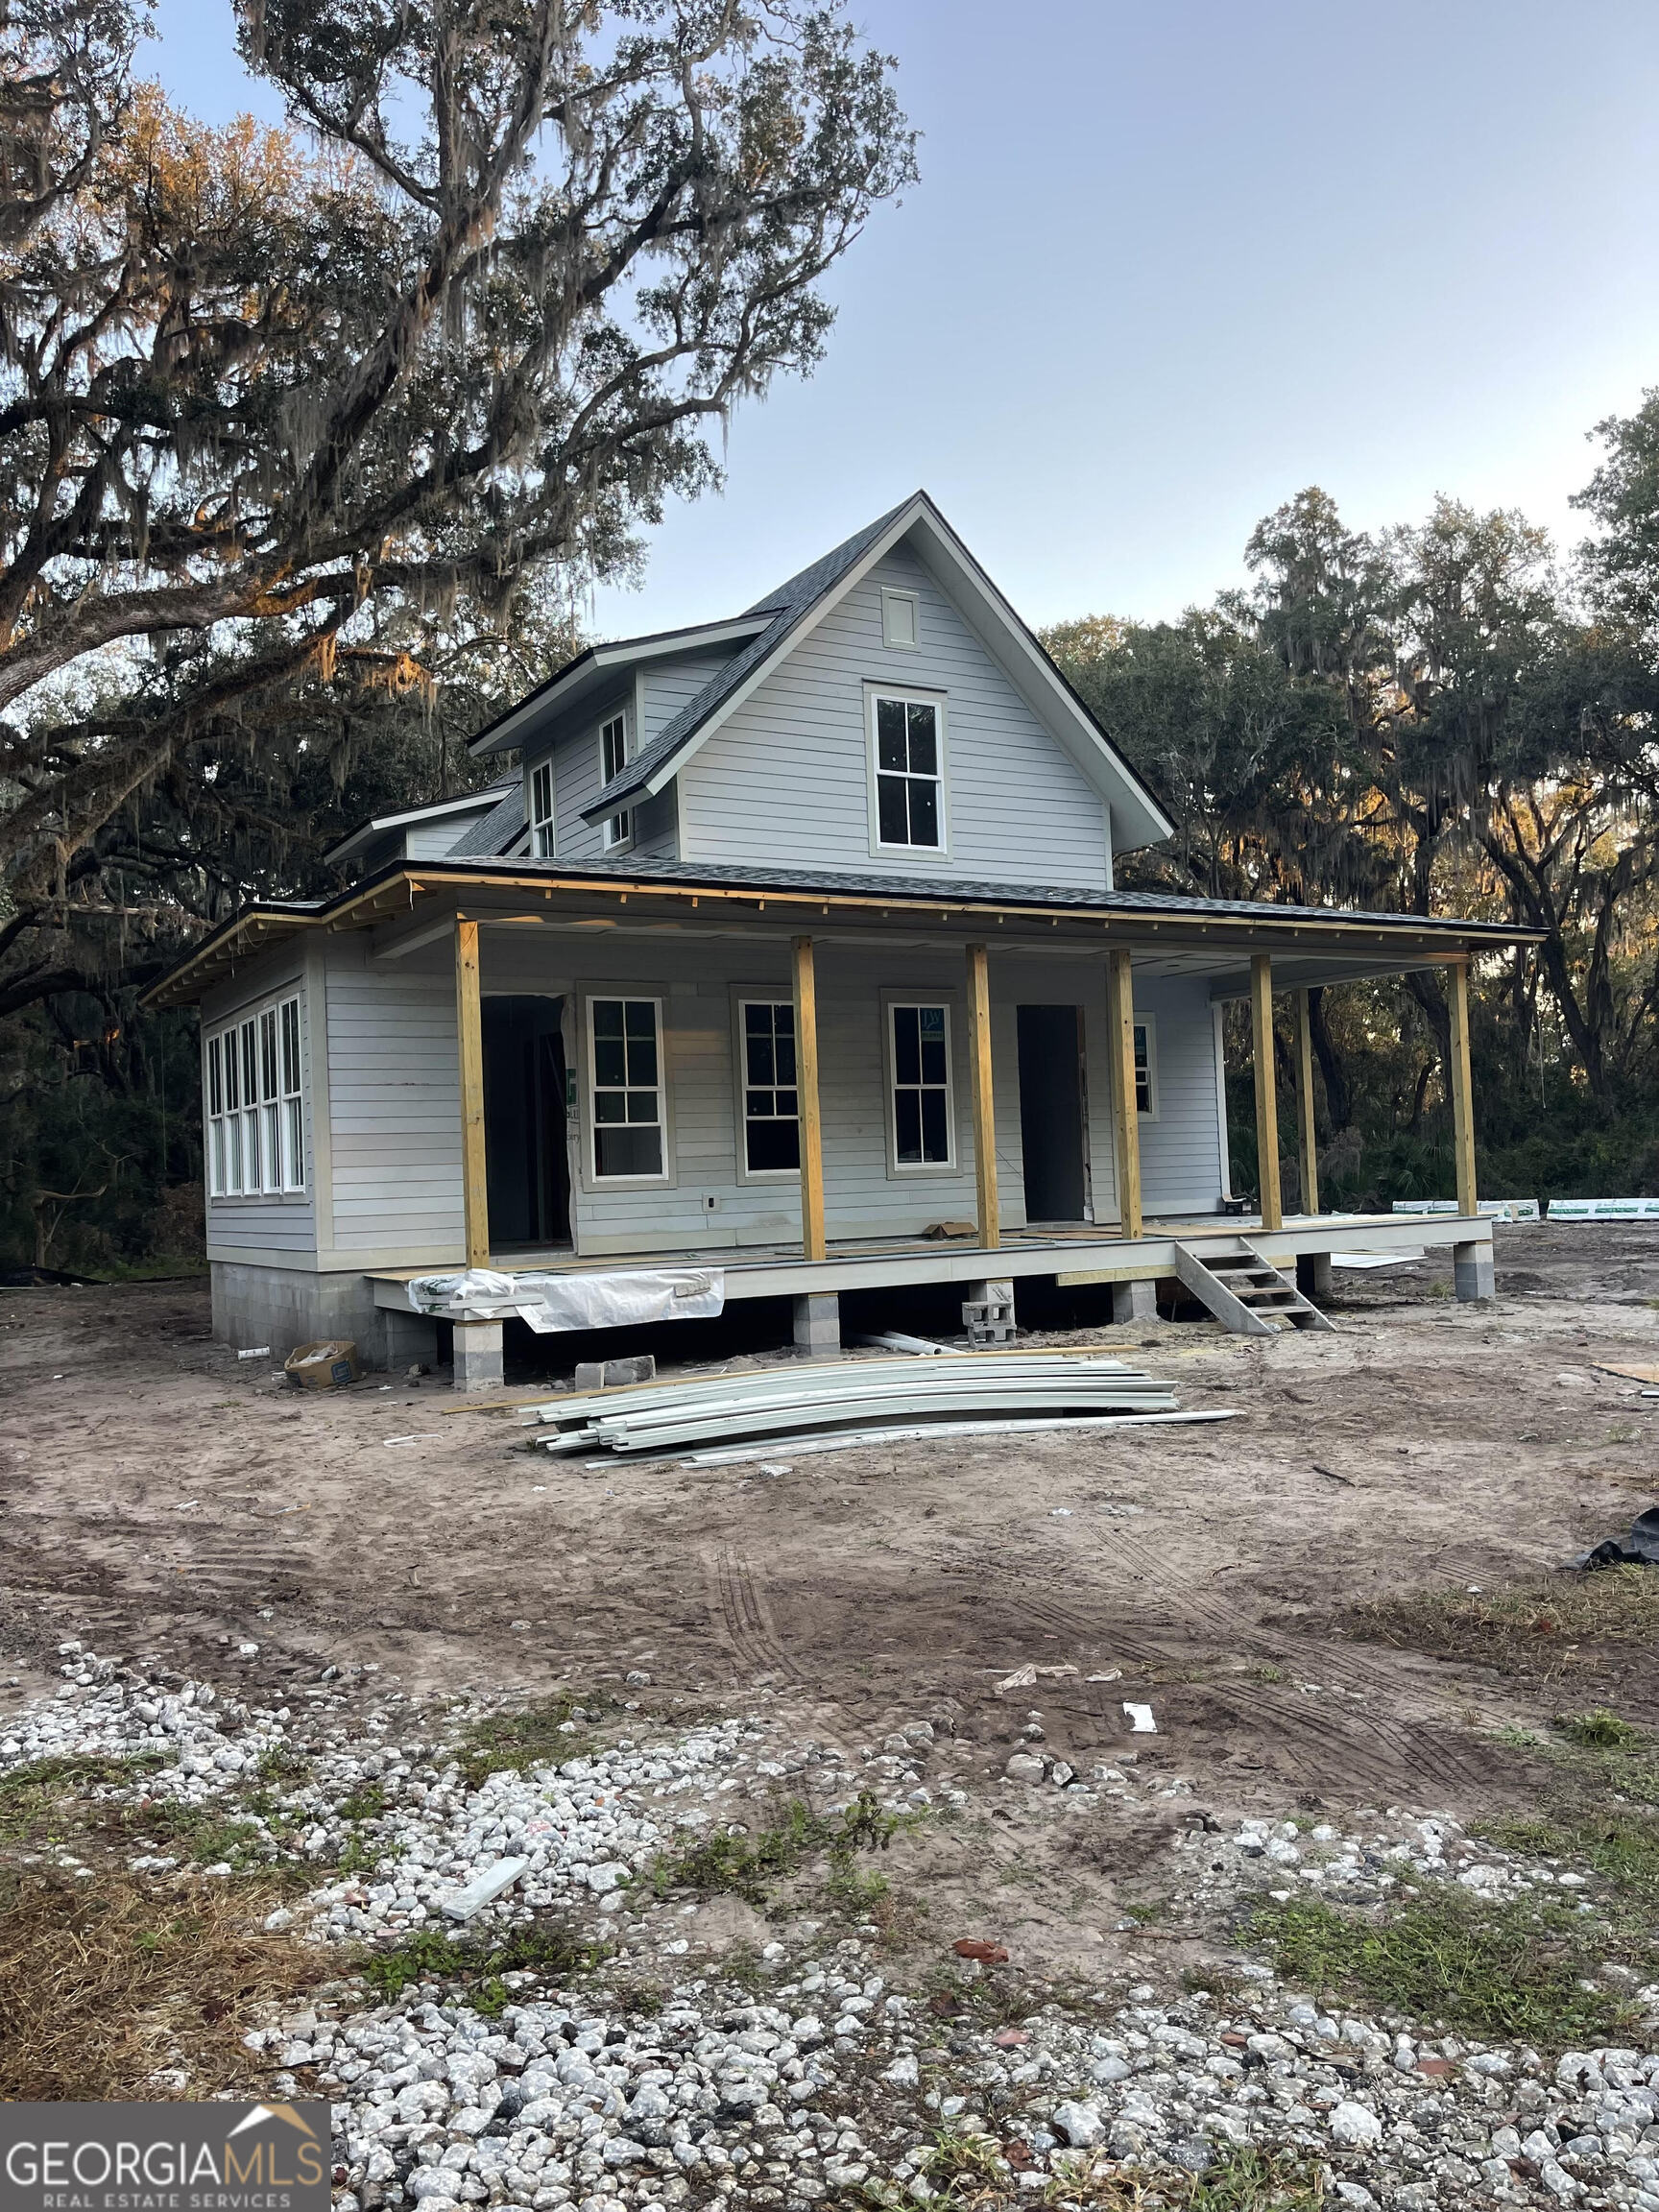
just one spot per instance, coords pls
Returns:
(855, 1393)
(1488, 1209)
(1604, 1209)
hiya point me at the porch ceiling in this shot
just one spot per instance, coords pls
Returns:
(411, 905)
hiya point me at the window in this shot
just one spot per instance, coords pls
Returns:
(626, 1063)
(541, 829)
(255, 1108)
(901, 620)
(1145, 1069)
(921, 1073)
(771, 1105)
(909, 777)
(612, 758)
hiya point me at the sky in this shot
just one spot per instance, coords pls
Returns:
(1169, 263)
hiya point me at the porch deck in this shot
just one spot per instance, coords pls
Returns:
(1074, 1255)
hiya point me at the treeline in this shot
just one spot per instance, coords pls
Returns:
(1442, 718)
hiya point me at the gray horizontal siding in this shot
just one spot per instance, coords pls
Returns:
(394, 1104)
(787, 776)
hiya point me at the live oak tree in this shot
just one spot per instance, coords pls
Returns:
(295, 423)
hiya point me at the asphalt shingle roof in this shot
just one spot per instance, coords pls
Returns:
(489, 837)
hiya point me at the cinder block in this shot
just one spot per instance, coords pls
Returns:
(1472, 1275)
(818, 1326)
(616, 1374)
(478, 1356)
(1134, 1301)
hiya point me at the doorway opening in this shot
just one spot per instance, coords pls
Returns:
(527, 1165)
(1053, 1119)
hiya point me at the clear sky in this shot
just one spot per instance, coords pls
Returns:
(1170, 262)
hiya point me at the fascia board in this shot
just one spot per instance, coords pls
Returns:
(804, 627)
(474, 802)
(1009, 642)
(565, 690)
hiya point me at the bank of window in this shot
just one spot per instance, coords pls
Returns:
(542, 829)
(910, 774)
(771, 1102)
(1146, 1071)
(921, 1048)
(256, 1110)
(612, 758)
(625, 1042)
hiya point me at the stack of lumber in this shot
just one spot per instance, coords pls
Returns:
(858, 1394)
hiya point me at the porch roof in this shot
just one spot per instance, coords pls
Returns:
(1168, 932)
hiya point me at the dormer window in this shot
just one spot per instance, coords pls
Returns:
(907, 749)
(619, 829)
(542, 834)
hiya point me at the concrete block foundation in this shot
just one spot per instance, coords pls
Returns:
(818, 1327)
(1134, 1301)
(1472, 1275)
(287, 1305)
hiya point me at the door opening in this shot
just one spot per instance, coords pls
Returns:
(527, 1166)
(1052, 1121)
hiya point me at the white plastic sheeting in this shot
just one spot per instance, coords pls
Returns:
(550, 1303)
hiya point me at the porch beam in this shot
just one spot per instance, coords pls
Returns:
(1310, 1149)
(812, 1244)
(1120, 1055)
(469, 1036)
(984, 1100)
(1462, 1087)
(1266, 1090)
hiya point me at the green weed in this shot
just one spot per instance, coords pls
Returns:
(33, 1796)
(367, 1802)
(514, 1742)
(747, 1864)
(430, 1955)
(1513, 1969)
(1598, 1730)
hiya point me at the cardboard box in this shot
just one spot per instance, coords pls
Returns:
(323, 1366)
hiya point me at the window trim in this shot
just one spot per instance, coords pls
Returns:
(549, 821)
(261, 1043)
(754, 995)
(1147, 1023)
(910, 1171)
(591, 1179)
(920, 695)
(623, 839)
(892, 595)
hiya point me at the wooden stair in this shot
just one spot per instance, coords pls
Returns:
(1245, 1294)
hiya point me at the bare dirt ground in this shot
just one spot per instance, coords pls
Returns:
(161, 1499)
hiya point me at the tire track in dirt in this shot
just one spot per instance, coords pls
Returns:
(744, 1618)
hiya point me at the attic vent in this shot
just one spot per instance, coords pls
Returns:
(901, 620)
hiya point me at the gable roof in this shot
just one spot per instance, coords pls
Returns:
(352, 843)
(796, 608)
(489, 837)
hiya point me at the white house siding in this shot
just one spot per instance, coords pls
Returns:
(281, 1228)
(394, 1108)
(787, 776)
(1180, 1152)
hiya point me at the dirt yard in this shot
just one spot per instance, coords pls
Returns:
(164, 1501)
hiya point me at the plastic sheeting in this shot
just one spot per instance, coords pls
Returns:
(549, 1303)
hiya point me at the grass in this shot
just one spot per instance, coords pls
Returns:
(33, 1800)
(514, 1742)
(430, 1955)
(972, 2172)
(107, 1982)
(747, 1864)
(1598, 1730)
(1511, 1968)
(1520, 1625)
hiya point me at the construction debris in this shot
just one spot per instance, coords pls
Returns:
(918, 1347)
(864, 1394)
(483, 1890)
(1140, 1720)
(1640, 1549)
(1024, 1678)
(931, 1431)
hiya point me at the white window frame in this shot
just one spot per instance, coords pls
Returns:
(542, 811)
(744, 997)
(909, 695)
(900, 611)
(616, 832)
(1145, 1048)
(254, 1099)
(623, 995)
(904, 1171)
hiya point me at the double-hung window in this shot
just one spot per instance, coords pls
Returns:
(909, 771)
(542, 834)
(625, 1057)
(612, 758)
(919, 1046)
(771, 1103)
(256, 1109)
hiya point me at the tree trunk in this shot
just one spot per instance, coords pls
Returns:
(1338, 1094)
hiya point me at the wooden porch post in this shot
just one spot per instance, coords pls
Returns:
(1462, 1087)
(1304, 1105)
(984, 1103)
(1266, 1091)
(812, 1244)
(1127, 1120)
(469, 1032)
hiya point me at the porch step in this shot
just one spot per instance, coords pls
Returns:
(1245, 1293)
